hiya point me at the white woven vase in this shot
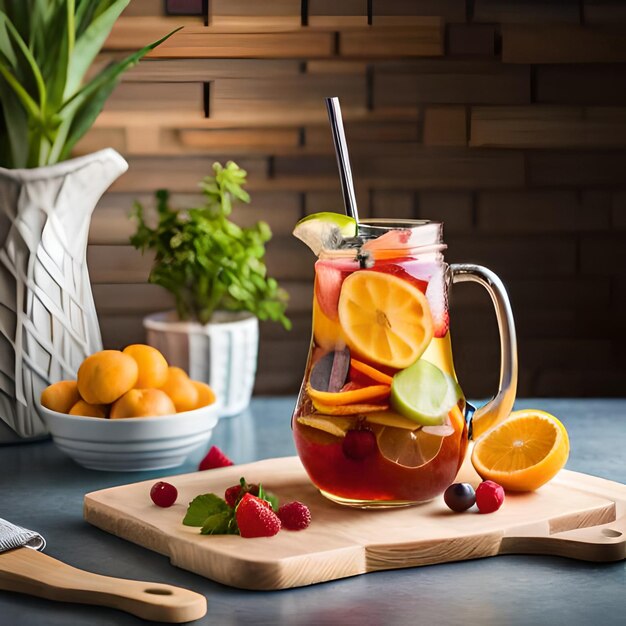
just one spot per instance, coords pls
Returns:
(222, 353)
(48, 321)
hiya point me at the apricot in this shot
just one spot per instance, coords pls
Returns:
(206, 395)
(89, 410)
(142, 403)
(152, 365)
(61, 396)
(180, 389)
(105, 376)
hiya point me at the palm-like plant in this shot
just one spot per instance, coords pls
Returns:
(46, 48)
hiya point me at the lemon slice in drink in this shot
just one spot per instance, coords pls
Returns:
(324, 231)
(422, 392)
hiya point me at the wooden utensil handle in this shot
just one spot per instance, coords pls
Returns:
(606, 542)
(28, 571)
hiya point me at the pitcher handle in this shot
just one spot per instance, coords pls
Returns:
(501, 405)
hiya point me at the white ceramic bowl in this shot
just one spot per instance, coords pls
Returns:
(132, 444)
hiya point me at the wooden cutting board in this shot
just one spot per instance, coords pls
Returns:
(574, 515)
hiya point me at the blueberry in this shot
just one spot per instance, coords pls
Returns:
(460, 497)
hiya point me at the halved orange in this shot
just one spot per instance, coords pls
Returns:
(384, 318)
(523, 452)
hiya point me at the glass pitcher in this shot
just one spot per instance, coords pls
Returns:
(381, 420)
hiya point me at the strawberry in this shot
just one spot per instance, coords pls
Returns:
(255, 518)
(235, 493)
(215, 458)
(294, 515)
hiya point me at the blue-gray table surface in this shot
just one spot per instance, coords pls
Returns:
(43, 489)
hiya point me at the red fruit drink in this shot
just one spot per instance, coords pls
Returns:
(380, 324)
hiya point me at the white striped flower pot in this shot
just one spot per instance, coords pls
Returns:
(222, 353)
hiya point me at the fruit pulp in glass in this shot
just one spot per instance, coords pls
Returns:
(358, 445)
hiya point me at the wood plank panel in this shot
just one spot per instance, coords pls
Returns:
(203, 44)
(141, 8)
(333, 14)
(524, 12)
(516, 256)
(453, 208)
(450, 10)
(576, 169)
(359, 133)
(547, 127)
(240, 141)
(235, 14)
(471, 40)
(580, 84)
(157, 98)
(131, 33)
(452, 168)
(111, 223)
(183, 174)
(203, 70)
(264, 99)
(445, 126)
(422, 39)
(287, 259)
(98, 138)
(449, 82)
(539, 212)
(145, 298)
(562, 44)
(604, 12)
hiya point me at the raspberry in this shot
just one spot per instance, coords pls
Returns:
(215, 458)
(359, 444)
(489, 496)
(294, 515)
(255, 518)
(234, 493)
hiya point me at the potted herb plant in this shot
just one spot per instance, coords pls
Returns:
(48, 323)
(216, 272)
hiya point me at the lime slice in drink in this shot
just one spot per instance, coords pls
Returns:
(422, 392)
(324, 231)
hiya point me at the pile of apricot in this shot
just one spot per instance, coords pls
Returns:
(134, 382)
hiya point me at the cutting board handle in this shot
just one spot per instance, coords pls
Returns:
(27, 571)
(605, 542)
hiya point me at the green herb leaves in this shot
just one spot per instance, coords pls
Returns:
(214, 516)
(208, 262)
(46, 48)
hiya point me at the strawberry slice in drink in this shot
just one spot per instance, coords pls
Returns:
(400, 272)
(328, 281)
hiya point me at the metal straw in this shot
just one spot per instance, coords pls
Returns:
(343, 158)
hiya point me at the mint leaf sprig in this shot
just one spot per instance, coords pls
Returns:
(214, 516)
(207, 261)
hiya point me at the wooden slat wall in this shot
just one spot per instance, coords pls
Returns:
(506, 119)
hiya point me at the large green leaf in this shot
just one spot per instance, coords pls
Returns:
(86, 105)
(15, 154)
(89, 44)
(28, 57)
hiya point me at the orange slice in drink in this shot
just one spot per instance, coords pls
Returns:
(359, 395)
(370, 372)
(349, 409)
(384, 318)
(523, 452)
